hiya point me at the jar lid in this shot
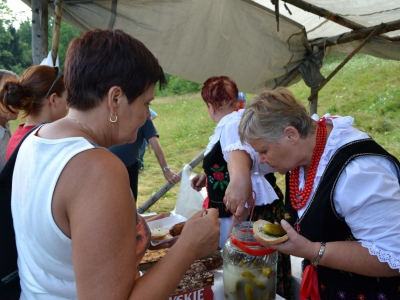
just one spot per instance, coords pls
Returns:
(255, 249)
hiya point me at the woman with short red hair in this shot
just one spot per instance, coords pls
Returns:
(232, 171)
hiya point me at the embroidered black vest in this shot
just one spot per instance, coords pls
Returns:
(321, 223)
(216, 169)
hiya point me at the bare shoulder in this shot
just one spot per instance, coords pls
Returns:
(94, 178)
(97, 178)
(98, 173)
(95, 168)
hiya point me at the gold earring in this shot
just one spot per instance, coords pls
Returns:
(113, 121)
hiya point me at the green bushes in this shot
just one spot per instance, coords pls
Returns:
(178, 86)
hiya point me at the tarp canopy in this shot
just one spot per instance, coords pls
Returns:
(197, 39)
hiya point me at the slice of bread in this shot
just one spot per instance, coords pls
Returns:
(159, 234)
(264, 237)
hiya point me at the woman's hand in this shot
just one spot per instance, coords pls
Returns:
(198, 182)
(349, 256)
(202, 232)
(238, 193)
(297, 245)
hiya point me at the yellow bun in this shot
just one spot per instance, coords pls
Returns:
(265, 238)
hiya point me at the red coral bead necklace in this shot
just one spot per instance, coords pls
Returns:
(298, 198)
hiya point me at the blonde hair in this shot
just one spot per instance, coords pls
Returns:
(270, 112)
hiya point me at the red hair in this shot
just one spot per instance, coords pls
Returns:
(220, 91)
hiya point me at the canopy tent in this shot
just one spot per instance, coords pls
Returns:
(196, 39)
(257, 43)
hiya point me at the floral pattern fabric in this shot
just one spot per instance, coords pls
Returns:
(219, 178)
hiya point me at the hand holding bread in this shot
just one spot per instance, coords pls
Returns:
(269, 233)
(202, 232)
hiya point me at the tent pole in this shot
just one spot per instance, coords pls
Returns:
(376, 30)
(153, 199)
(319, 11)
(314, 101)
(344, 38)
(57, 28)
(39, 30)
(356, 35)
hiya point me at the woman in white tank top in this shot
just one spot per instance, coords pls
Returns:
(77, 231)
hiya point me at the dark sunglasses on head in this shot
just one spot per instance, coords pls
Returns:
(59, 74)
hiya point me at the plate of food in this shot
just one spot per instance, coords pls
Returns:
(166, 229)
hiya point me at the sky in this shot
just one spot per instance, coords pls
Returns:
(20, 9)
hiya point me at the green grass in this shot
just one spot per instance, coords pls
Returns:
(367, 88)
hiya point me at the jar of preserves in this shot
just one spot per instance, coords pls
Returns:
(249, 267)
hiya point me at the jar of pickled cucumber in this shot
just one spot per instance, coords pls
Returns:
(249, 267)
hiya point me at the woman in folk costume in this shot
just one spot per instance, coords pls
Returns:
(232, 171)
(342, 198)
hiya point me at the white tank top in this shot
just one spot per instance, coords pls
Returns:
(44, 252)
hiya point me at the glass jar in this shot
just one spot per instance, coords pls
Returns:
(249, 267)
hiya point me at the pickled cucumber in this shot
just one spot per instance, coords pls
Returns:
(274, 229)
(248, 291)
(267, 271)
(258, 284)
(248, 274)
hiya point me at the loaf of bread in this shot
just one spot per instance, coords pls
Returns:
(211, 262)
(197, 276)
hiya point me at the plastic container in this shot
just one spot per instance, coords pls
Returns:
(249, 267)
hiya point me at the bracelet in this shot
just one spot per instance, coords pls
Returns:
(319, 256)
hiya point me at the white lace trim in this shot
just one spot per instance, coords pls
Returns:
(240, 146)
(236, 115)
(265, 193)
(384, 256)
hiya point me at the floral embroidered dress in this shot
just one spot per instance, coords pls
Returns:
(216, 170)
(269, 204)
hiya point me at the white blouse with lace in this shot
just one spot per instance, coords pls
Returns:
(227, 133)
(367, 194)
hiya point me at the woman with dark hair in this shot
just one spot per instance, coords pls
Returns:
(232, 171)
(342, 197)
(40, 94)
(77, 230)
